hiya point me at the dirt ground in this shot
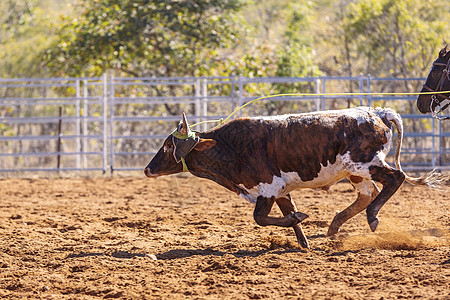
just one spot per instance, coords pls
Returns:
(188, 238)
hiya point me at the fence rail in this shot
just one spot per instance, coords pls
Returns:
(110, 124)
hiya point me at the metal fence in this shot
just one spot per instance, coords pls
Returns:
(109, 124)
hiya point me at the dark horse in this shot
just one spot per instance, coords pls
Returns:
(438, 80)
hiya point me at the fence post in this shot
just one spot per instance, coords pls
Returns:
(78, 123)
(85, 127)
(241, 91)
(205, 103)
(58, 147)
(197, 100)
(440, 137)
(233, 93)
(105, 121)
(369, 78)
(323, 99)
(111, 122)
(361, 89)
(317, 101)
(433, 143)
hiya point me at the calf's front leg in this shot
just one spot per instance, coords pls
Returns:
(262, 210)
(288, 207)
(291, 217)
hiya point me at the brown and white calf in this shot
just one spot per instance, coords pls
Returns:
(263, 159)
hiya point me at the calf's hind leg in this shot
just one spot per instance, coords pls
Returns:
(391, 180)
(287, 207)
(367, 191)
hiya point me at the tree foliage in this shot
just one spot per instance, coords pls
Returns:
(146, 38)
(222, 37)
(296, 56)
(25, 31)
(396, 37)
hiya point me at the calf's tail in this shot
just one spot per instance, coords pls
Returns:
(433, 179)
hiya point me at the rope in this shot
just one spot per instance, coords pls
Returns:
(223, 121)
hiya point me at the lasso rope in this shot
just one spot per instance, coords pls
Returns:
(223, 121)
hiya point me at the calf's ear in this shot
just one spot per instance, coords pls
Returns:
(444, 51)
(205, 144)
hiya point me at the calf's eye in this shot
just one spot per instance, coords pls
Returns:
(168, 148)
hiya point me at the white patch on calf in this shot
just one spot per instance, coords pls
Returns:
(365, 187)
(287, 182)
(272, 189)
(277, 117)
(355, 168)
(387, 113)
(361, 114)
(329, 175)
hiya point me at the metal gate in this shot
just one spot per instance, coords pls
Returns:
(110, 125)
(55, 124)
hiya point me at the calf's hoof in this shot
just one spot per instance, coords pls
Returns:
(304, 244)
(332, 231)
(299, 216)
(374, 224)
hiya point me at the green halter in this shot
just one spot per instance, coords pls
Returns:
(183, 145)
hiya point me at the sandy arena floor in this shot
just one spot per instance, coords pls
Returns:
(188, 238)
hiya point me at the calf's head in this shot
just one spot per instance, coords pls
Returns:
(170, 158)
